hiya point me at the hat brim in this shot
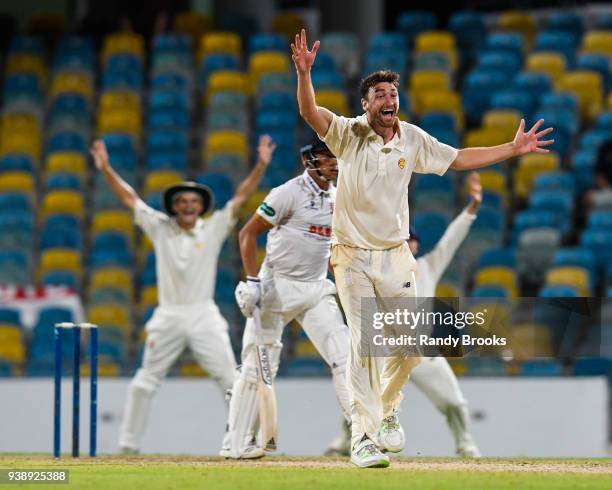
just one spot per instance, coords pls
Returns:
(204, 191)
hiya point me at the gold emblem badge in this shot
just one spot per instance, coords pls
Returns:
(401, 163)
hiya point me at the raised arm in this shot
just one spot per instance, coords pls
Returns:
(124, 191)
(318, 118)
(473, 158)
(247, 186)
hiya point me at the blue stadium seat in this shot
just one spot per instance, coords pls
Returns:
(447, 136)
(470, 32)
(67, 141)
(600, 243)
(600, 220)
(122, 80)
(119, 142)
(431, 227)
(388, 41)
(168, 119)
(167, 140)
(598, 63)
(305, 367)
(110, 240)
(559, 100)
(221, 186)
(75, 53)
(60, 278)
(170, 81)
(413, 22)
(554, 180)
(513, 99)
(277, 101)
(583, 165)
(21, 44)
(508, 42)
(23, 87)
(327, 80)
(268, 120)
(559, 42)
(594, 138)
(489, 292)
(267, 42)
(10, 316)
(167, 160)
(478, 89)
(16, 162)
(60, 238)
(385, 60)
(172, 42)
(15, 201)
(567, 21)
(540, 367)
(558, 291)
(576, 256)
(534, 218)
(535, 84)
(499, 60)
(433, 120)
(47, 317)
(489, 218)
(106, 258)
(168, 99)
(62, 180)
(561, 203)
(215, 62)
(501, 256)
(73, 104)
(62, 221)
(604, 121)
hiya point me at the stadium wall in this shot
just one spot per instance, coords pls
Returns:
(538, 417)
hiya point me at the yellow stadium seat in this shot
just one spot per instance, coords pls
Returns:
(253, 203)
(29, 144)
(548, 62)
(587, 86)
(120, 121)
(232, 142)
(506, 120)
(67, 161)
(267, 62)
(72, 82)
(521, 22)
(159, 180)
(11, 344)
(123, 43)
(118, 221)
(485, 136)
(577, 277)
(110, 101)
(63, 202)
(19, 122)
(497, 276)
(447, 290)
(193, 370)
(220, 42)
(305, 348)
(423, 81)
(227, 80)
(17, 181)
(27, 63)
(148, 296)
(289, 24)
(492, 181)
(609, 102)
(193, 24)
(529, 167)
(112, 277)
(334, 100)
(597, 42)
(443, 102)
(110, 315)
(528, 341)
(60, 259)
(458, 366)
(437, 41)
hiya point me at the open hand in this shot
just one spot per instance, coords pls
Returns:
(530, 141)
(303, 58)
(265, 149)
(99, 154)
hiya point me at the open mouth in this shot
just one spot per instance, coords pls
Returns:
(388, 113)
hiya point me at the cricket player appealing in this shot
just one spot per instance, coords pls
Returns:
(377, 154)
(291, 285)
(434, 376)
(186, 249)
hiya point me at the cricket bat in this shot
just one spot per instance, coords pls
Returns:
(265, 390)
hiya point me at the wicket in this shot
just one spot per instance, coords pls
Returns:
(76, 387)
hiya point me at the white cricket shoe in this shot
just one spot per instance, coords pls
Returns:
(391, 435)
(366, 455)
(251, 451)
(468, 451)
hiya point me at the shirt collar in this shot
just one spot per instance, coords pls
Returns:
(313, 186)
(198, 226)
(370, 133)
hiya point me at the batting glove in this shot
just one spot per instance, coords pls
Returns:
(248, 295)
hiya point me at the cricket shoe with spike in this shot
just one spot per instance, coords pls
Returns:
(366, 455)
(391, 435)
(468, 451)
(251, 451)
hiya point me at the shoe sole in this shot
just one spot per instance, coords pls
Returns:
(383, 463)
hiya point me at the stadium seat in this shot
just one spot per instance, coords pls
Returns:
(438, 42)
(334, 100)
(17, 181)
(573, 276)
(498, 276)
(266, 62)
(413, 22)
(56, 259)
(597, 42)
(15, 268)
(549, 63)
(529, 167)
(226, 80)
(113, 221)
(159, 180)
(227, 142)
(517, 21)
(72, 82)
(110, 316)
(192, 23)
(11, 344)
(123, 43)
(112, 277)
(587, 86)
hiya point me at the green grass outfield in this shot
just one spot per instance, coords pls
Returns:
(189, 472)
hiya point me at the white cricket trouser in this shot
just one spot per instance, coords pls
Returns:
(435, 378)
(375, 384)
(313, 305)
(169, 331)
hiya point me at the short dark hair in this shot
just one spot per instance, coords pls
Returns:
(377, 77)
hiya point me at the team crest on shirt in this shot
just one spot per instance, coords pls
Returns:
(199, 245)
(401, 163)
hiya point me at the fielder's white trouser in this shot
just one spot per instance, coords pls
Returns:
(169, 331)
(314, 306)
(435, 378)
(375, 384)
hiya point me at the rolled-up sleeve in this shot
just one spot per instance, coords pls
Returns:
(433, 157)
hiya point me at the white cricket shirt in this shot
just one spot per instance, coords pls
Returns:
(372, 199)
(186, 261)
(298, 246)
